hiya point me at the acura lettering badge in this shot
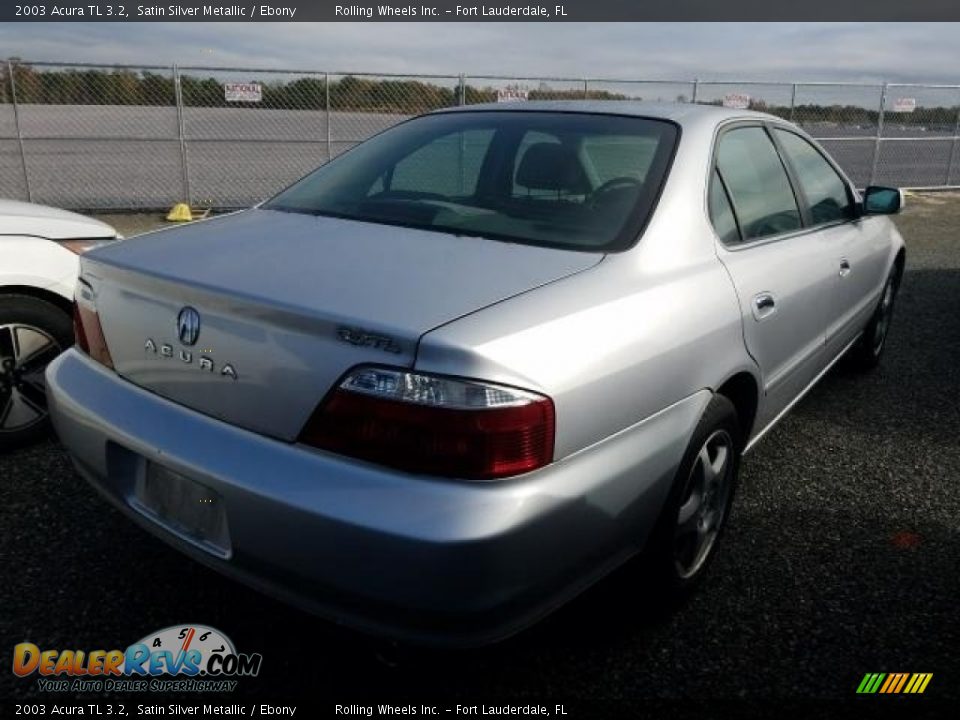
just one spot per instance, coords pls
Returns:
(188, 326)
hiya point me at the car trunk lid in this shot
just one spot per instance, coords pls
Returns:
(287, 303)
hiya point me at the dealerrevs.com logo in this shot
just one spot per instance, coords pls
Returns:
(200, 658)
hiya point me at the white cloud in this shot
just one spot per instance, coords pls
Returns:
(764, 51)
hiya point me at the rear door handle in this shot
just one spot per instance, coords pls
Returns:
(844, 267)
(764, 305)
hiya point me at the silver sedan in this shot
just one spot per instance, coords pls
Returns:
(453, 377)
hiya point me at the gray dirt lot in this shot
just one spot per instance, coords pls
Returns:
(842, 557)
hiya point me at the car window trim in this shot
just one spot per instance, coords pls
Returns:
(761, 123)
(795, 176)
(803, 203)
(734, 123)
(715, 174)
(780, 125)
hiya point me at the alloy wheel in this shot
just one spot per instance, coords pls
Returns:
(703, 506)
(25, 352)
(884, 314)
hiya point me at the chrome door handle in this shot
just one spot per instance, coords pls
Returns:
(764, 304)
(844, 267)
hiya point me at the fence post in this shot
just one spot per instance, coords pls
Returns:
(876, 143)
(953, 148)
(16, 123)
(326, 88)
(178, 98)
(586, 90)
(793, 101)
(463, 90)
(696, 86)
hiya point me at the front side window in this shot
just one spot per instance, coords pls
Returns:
(824, 189)
(759, 188)
(569, 180)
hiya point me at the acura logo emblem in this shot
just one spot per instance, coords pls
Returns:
(188, 326)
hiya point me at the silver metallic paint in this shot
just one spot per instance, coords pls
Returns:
(333, 534)
(630, 347)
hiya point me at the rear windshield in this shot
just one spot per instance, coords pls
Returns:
(571, 180)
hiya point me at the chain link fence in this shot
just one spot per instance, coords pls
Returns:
(99, 137)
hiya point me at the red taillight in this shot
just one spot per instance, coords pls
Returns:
(441, 426)
(78, 333)
(89, 334)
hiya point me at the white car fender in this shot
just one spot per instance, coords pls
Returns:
(38, 262)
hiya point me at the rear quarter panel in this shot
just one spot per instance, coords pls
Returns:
(617, 343)
(611, 346)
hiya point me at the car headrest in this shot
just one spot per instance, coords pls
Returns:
(552, 166)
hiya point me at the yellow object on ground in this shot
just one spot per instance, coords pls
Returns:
(180, 213)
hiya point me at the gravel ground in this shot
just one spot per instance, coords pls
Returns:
(842, 557)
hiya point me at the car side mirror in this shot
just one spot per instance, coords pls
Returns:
(878, 200)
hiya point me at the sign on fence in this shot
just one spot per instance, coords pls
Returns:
(904, 104)
(737, 101)
(242, 92)
(847, 117)
(512, 94)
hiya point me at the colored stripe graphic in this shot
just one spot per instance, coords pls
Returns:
(894, 683)
(903, 679)
(870, 683)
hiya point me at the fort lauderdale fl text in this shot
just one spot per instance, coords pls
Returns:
(368, 11)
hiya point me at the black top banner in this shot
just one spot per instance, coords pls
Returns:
(492, 11)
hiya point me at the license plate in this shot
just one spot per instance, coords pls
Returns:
(188, 508)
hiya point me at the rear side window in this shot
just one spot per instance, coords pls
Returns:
(824, 189)
(759, 187)
(721, 214)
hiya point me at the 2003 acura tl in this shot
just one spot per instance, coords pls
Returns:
(454, 376)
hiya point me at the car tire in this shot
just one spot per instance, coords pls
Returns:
(685, 538)
(866, 353)
(32, 333)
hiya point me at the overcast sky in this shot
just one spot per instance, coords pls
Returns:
(896, 52)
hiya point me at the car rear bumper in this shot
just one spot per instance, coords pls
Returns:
(419, 558)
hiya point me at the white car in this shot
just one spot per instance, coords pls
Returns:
(39, 246)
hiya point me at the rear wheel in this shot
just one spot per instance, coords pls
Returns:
(685, 539)
(866, 354)
(32, 333)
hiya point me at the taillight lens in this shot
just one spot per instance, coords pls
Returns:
(85, 245)
(87, 329)
(435, 425)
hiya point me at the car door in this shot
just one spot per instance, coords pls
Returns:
(781, 270)
(857, 246)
